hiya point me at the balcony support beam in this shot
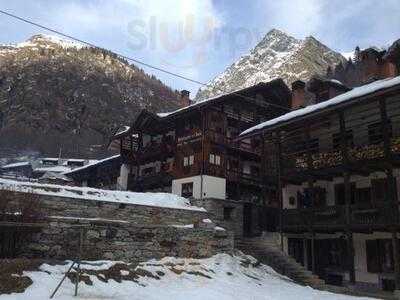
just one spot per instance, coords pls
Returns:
(391, 187)
(347, 193)
(279, 167)
(310, 184)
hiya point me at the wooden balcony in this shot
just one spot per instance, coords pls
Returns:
(231, 143)
(150, 181)
(333, 218)
(238, 176)
(357, 155)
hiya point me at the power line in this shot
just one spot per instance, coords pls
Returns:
(128, 58)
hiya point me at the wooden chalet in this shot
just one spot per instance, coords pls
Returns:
(98, 174)
(192, 151)
(337, 167)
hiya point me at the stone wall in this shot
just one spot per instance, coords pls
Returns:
(216, 208)
(135, 214)
(125, 241)
(114, 230)
(240, 215)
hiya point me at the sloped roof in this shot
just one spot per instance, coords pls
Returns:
(145, 115)
(354, 94)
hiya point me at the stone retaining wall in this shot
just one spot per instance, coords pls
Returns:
(124, 241)
(115, 231)
(133, 213)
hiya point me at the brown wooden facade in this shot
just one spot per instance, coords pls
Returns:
(358, 138)
(200, 140)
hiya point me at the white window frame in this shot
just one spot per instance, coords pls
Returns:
(191, 160)
(185, 161)
(217, 160)
(212, 158)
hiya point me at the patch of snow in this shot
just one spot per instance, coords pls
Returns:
(219, 228)
(149, 199)
(18, 164)
(184, 226)
(122, 130)
(354, 93)
(221, 277)
(54, 169)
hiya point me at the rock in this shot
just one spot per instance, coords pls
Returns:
(39, 247)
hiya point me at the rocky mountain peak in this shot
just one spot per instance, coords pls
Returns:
(277, 55)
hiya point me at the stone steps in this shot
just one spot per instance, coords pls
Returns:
(266, 250)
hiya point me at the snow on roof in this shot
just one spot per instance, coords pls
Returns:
(75, 160)
(94, 163)
(50, 159)
(354, 93)
(56, 169)
(149, 199)
(18, 164)
(54, 176)
(166, 114)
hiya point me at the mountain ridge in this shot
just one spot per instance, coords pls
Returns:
(277, 55)
(55, 94)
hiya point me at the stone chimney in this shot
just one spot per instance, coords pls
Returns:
(298, 94)
(185, 98)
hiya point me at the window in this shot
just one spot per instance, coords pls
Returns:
(317, 195)
(215, 159)
(254, 170)
(187, 189)
(148, 171)
(228, 213)
(336, 138)
(379, 256)
(340, 197)
(380, 188)
(188, 161)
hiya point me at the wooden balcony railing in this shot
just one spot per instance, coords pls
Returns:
(148, 181)
(334, 158)
(242, 145)
(381, 214)
(238, 176)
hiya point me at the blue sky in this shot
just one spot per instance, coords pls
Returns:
(199, 39)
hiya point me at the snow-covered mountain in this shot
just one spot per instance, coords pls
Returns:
(277, 55)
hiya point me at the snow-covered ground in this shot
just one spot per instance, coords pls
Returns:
(221, 277)
(151, 199)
